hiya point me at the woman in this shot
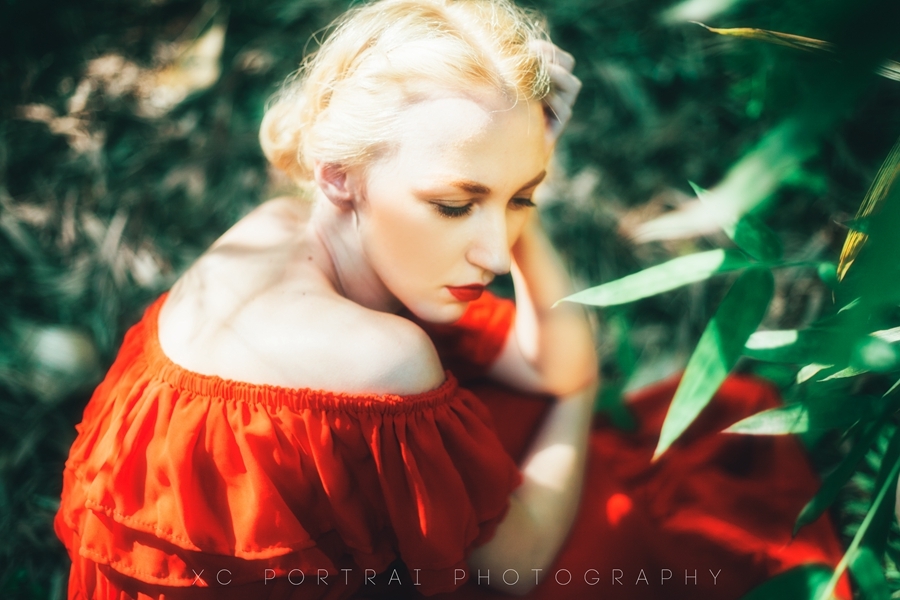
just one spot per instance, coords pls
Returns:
(281, 424)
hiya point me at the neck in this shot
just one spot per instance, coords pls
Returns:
(343, 260)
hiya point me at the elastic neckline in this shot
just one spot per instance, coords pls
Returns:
(297, 398)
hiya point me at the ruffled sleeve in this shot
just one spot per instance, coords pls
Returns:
(469, 346)
(175, 473)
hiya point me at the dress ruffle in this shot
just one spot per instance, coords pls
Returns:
(174, 473)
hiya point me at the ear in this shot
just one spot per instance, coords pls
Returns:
(335, 183)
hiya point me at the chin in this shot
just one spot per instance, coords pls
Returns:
(442, 313)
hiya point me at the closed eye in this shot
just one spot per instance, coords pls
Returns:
(519, 203)
(452, 211)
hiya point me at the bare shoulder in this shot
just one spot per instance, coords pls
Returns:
(256, 309)
(333, 344)
(314, 341)
(386, 354)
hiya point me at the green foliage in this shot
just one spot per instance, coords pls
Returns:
(826, 413)
(838, 478)
(662, 278)
(737, 317)
(108, 191)
(869, 575)
(799, 583)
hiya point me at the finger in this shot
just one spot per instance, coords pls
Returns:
(564, 59)
(564, 82)
(554, 54)
(558, 112)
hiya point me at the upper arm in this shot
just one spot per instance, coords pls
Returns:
(409, 363)
(369, 352)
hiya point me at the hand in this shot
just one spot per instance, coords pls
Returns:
(564, 88)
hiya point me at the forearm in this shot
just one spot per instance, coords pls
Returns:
(544, 507)
(556, 342)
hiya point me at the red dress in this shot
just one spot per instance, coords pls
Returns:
(181, 485)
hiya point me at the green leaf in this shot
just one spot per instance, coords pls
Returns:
(719, 348)
(756, 239)
(819, 414)
(749, 233)
(869, 574)
(889, 482)
(837, 478)
(875, 354)
(892, 388)
(802, 346)
(775, 421)
(662, 278)
(809, 371)
(877, 538)
(845, 373)
(861, 225)
(799, 583)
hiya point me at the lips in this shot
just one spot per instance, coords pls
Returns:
(466, 293)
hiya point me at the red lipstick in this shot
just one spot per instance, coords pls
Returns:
(466, 293)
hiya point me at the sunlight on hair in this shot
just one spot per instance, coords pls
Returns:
(342, 105)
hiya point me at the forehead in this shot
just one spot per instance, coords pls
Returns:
(459, 136)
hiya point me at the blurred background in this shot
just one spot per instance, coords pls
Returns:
(128, 143)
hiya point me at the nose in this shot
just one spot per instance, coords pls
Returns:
(490, 248)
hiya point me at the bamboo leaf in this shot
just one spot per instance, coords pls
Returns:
(775, 421)
(889, 69)
(878, 191)
(749, 233)
(850, 554)
(888, 335)
(822, 346)
(754, 237)
(799, 583)
(869, 574)
(837, 478)
(773, 37)
(821, 414)
(662, 278)
(875, 354)
(809, 371)
(845, 373)
(827, 347)
(881, 522)
(720, 346)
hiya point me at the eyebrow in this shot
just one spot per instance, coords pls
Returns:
(479, 189)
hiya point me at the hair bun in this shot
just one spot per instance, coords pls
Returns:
(343, 104)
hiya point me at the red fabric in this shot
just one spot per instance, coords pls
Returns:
(714, 501)
(176, 474)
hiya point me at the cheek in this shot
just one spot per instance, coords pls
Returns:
(407, 244)
(516, 224)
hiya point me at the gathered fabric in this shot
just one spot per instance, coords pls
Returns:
(175, 474)
(182, 486)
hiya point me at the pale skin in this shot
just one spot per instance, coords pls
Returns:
(311, 301)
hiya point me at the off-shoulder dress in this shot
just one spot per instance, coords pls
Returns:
(187, 486)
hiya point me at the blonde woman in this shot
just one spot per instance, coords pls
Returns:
(297, 417)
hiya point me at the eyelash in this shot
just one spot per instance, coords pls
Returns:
(453, 212)
(523, 203)
(461, 211)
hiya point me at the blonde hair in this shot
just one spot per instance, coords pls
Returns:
(340, 106)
